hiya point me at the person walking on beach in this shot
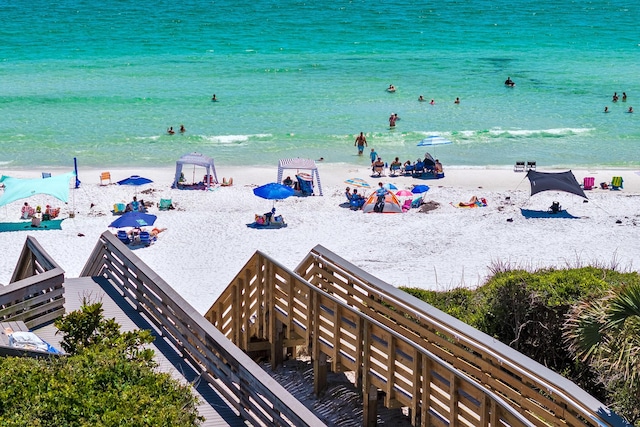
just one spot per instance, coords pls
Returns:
(361, 142)
(392, 120)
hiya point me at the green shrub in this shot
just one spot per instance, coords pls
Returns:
(107, 380)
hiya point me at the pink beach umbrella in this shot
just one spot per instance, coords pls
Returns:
(404, 193)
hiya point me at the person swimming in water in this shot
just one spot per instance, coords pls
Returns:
(170, 131)
(509, 82)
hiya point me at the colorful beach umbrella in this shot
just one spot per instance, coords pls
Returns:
(134, 219)
(404, 193)
(418, 189)
(433, 140)
(357, 182)
(390, 186)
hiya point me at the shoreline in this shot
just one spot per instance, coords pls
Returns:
(482, 177)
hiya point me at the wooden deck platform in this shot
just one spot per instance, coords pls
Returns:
(215, 410)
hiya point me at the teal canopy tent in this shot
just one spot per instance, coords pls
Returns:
(16, 188)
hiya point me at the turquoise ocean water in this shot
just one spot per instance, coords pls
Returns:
(102, 81)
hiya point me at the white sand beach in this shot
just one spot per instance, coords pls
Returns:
(207, 240)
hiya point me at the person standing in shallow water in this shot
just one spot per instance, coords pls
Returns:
(361, 142)
(392, 120)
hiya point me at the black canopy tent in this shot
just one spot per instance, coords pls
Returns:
(549, 181)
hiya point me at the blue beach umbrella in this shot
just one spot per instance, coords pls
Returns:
(390, 186)
(135, 180)
(433, 140)
(273, 191)
(133, 219)
(420, 189)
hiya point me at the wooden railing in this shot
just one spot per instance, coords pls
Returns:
(539, 394)
(251, 391)
(36, 292)
(267, 308)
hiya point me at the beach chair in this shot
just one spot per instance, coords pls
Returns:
(588, 183)
(616, 183)
(408, 170)
(519, 167)
(209, 179)
(418, 169)
(123, 237)
(105, 176)
(379, 169)
(119, 208)
(531, 166)
(165, 205)
(46, 175)
(394, 170)
(305, 186)
(145, 238)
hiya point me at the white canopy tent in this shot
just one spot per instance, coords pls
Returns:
(196, 159)
(300, 164)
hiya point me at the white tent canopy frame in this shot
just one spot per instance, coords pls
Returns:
(196, 159)
(300, 164)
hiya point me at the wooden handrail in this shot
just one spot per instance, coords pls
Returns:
(268, 302)
(239, 380)
(541, 394)
(36, 292)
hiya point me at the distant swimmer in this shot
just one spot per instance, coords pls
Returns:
(624, 96)
(457, 101)
(170, 131)
(509, 82)
(630, 110)
(213, 98)
(421, 98)
(432, 102)
(392, 120)
(391, 88)
(396, 116)
(182, 129)
(606, 109)
(321, 159)
(615, 97)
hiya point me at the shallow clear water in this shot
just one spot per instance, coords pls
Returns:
(103, 82)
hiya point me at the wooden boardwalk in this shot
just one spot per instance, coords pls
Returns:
(215, 410)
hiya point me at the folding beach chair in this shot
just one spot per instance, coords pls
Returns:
(519, 167)
(105, 176)
(531, 166)
(46, 175)
(588, 182)
(616, 183)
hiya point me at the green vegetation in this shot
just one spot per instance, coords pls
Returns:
(583, 323)
(107, 379)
